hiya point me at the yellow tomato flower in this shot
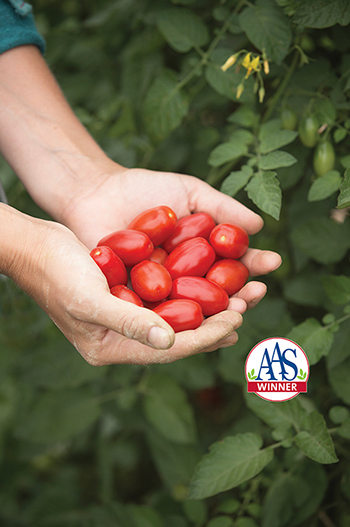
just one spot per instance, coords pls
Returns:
(230, 62)
(239, 91)
(246, 61)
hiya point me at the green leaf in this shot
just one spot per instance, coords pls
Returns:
(294, 495)
(316, 340)
(277, 415)
(322, 239)
(226, 152)
(264, 190)
(167, 409)
(165, 106)
(267, 28)
(344, 196)
(277, 159)
(338, 414)
(182, 28)
(236, 180)
(325, 186)
(339, 379)
(315, 440)
(272, 137)
(339, 135)
(320, 14)
(175, 462)
(337, 288)
(58, 415)
(229, 462)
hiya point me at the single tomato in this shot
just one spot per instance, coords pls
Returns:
(231, 275)
(131, 246)
(192, 257)
(181, 315)
(124, 293)
(151, 281)
(229, 241)
(210, 296)
(324, 158)
(308, 130)
(158, 223)
(159, 255)
(195, 225)
(110, 264)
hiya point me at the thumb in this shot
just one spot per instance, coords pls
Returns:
(135, 322)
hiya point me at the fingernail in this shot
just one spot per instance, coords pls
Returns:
(159, 338)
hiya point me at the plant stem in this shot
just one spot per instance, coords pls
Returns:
(280, 90)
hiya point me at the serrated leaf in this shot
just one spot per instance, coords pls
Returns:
(344, 196)
(320, 14)
(316, 340)
(322, 239)
(276, 159)
(182, 28)
(277, 415)
(272, 137)
(325, 186)
(226, 152)
(315, 440)
(264, 190)
(229, 462)
(267, 28)
(165, 107)
(337, 288)
(236, 180)
(167, 409)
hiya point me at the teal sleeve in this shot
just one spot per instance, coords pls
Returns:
(17, 26)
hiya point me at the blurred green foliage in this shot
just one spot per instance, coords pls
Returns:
(183, 445)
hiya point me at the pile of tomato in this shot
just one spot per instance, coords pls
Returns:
(184, 269)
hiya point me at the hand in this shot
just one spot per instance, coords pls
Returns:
(48, 262)
(110, 202)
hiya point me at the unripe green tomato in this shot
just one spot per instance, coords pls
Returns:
(308, 131)
(289, 119)
(324, 158)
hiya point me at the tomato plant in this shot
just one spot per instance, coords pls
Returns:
(110, 264)
(181, 315)
(229, 241)
(151, 281)
(210, 296)
(199, 224)
(158, 223)
(131, 246)
(231, 275)
(127, 294)
(130, 445)
(191, 258)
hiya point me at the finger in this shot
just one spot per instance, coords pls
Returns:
(252, 293)
(221, 207)
(261, 262)
(237, 304)
(129, 320)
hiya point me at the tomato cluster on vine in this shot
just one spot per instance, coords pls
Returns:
(184, 269)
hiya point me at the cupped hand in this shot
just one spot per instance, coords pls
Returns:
(111, 201)
(57, 271)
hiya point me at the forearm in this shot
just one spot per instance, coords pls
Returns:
(40, 137)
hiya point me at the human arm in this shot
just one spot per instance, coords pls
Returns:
(71, 178)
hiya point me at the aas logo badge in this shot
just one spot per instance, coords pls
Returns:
(277, 369)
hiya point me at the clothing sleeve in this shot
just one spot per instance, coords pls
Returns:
(17, 26)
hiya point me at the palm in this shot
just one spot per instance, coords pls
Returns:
(116, 199)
